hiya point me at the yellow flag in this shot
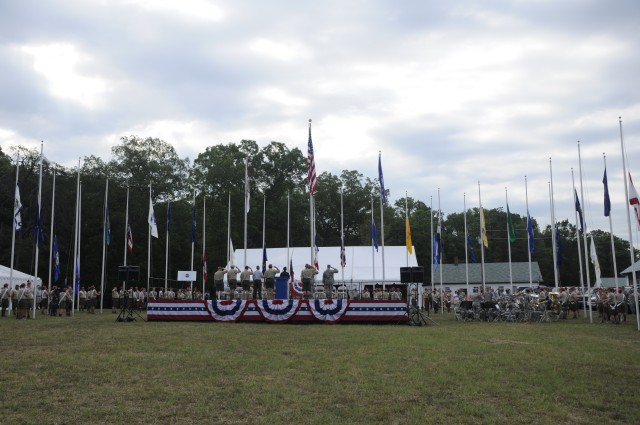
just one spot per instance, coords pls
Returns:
(409, 244)
(483, 229)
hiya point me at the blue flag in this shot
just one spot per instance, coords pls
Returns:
(579, 210)
(607, 200)
(437, 245)
(56, 259)
(383, 193)
(374, 232)
(38, 231)
(264, 258)
(193, 223)
(530, 232)
(470, 244)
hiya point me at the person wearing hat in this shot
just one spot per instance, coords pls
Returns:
(270, 280)
(328, 280)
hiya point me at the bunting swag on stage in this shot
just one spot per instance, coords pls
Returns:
(279, 311)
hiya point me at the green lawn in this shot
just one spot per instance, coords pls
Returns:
(91, 369)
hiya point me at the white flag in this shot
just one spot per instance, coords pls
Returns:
(152, 221)
(596, 264)
(231, 255)
(17, 209)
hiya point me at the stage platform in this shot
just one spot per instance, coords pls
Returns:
(280, 311)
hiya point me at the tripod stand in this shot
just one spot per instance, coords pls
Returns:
(416, 318)
(127, 310)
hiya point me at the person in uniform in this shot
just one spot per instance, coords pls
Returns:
(4, 299)
(82, 295)
(115, 299)
(270, 280)
(245, 281)
(573, 301)
(257, 283)
(307, 275)
(328, 280)
(44, 299)
(92, 299)
(66, 301)
(232, 279)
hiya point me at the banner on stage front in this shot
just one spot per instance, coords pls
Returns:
(187, 276)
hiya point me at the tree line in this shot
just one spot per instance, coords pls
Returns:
(216, 177)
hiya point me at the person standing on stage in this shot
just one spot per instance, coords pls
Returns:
(257, 283)
(218, 281)
(328, 280)
(245, 280)
(270, 280)
(232, 279)
(307, 275)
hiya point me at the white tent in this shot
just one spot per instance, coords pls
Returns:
(18, 277)
(364, 264)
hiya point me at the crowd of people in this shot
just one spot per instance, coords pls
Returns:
(24, 298)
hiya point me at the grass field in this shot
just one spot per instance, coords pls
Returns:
(91, 369)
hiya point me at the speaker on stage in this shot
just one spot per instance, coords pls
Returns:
(405, 275)
(417, 274)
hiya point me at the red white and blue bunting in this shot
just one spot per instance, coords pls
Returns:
(226, 310)
(329, 311)
(277, 310)
(295, 289)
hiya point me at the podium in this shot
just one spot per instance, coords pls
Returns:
(282, 288)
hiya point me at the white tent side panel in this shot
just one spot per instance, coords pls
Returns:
(18, 277)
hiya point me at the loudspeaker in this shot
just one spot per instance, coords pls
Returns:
(417, 274)
(128, 273)
(405, 275)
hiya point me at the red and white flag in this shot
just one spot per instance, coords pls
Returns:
(634, 200)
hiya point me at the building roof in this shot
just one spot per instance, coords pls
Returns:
(494, 273)
(636, 267)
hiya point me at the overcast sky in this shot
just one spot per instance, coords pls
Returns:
(451, 93)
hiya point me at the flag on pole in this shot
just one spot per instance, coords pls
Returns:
(343, 255)
(291, 272)
(408, 235)
(152, 220)
(633, 200)
(56, 259)
(383, 193)
(483, 229)
(559, 246)
(205, 275)
(78, 273)
(596, 264)
(315, 256)
(530, 232)
(264, 258)
(470, 244)
(38, 231)
(437, 244)
(311, 166)
(247, 186)
(579, 210)
(17, 209)
(607, 200)
(129, 238)
(169, 216)
(107, 227)
(193, 223)
(512, 230)
(374, 232)
(232, 256)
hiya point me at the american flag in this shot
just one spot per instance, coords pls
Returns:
(311, 163)
(129, 238)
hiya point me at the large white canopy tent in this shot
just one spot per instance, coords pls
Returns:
(17, 278)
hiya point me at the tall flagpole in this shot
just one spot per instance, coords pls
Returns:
(264, 222)
(582, 288)
(626, 207)
(246, 205)
(38, 229)
(584, 234)
(126, 236)
(204, 242)
(373, 254)
(104, 242)
(440, 254)
(342, 247)
(16, 212)
(289, 239)
(406, 216)
(75, 242)
(53, 205)
(506, 200)
(166, 247)
(481, 237)
(193, 237)
(529, 224)
(613, 246)
(78, 276)
(466, 244)
(554, 242)
(383, 202)
(149, 247)
(431, 225)
(229, 231)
